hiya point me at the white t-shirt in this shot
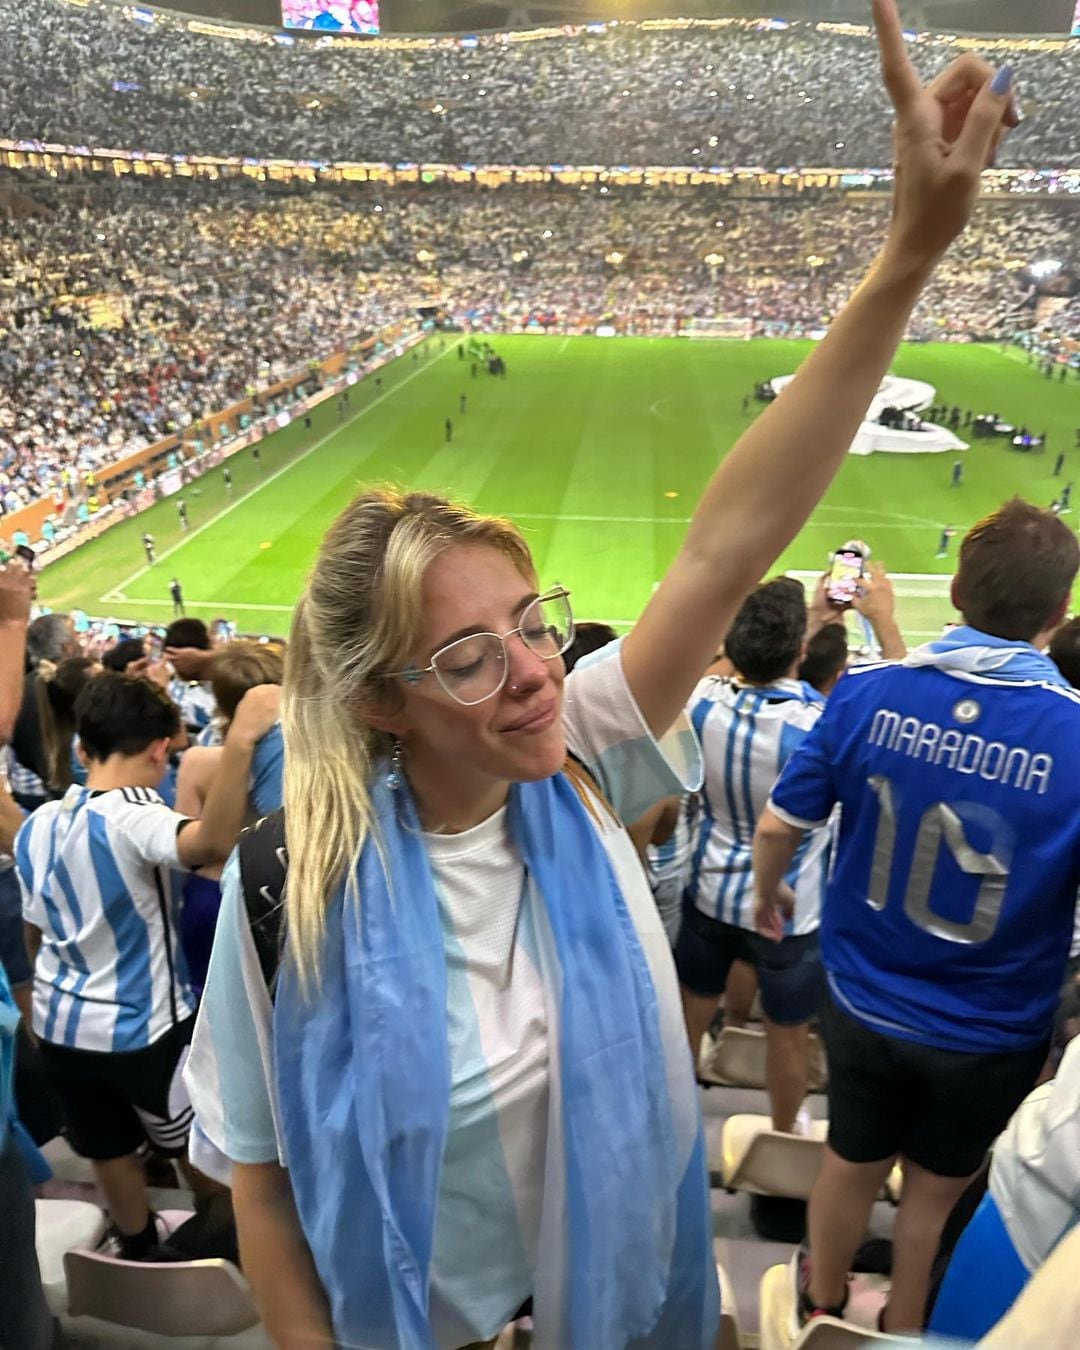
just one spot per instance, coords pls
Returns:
(1035, 1168)
(492, 1183)
(94, 872)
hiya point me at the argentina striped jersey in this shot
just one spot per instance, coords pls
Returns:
(747, 735)
(94, 872)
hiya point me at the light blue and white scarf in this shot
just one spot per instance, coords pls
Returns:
(968, 651)
(363, 1083)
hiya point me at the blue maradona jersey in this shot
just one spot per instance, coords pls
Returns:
(949, 912)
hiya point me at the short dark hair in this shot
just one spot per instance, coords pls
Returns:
(1065, 651)
(122, 655)
(588, 637)
(767, 636)
(122, 715)
(188, 633)
(1016, 570)
(826, 657)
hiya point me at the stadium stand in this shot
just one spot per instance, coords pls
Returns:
(757, 93)
(135, 309)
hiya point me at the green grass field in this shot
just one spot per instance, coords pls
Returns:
(598, 448)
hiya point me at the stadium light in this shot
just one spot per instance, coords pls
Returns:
(1047, 268)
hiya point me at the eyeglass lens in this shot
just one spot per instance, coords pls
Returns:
(473, 668)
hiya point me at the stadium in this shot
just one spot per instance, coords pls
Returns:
(670, 304)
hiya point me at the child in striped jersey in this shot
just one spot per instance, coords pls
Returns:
(111, 1004)
(748, 726)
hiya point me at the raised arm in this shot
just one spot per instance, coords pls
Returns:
(210, 839)
(16, 597)
(765, 489)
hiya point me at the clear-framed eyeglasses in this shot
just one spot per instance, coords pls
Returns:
(474, 668)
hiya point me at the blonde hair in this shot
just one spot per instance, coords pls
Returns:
(240, 666)
(58, 686)
(358, 619)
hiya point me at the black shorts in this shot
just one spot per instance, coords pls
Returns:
(113, 1104)
(789, 972)
(941, 1109)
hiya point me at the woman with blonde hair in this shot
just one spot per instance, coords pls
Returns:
(57, 688)
(465, 1082)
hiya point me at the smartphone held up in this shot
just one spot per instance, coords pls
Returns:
(847, 568)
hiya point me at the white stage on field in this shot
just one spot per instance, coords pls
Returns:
(907, 395)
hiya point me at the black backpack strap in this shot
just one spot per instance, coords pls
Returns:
(264, 868)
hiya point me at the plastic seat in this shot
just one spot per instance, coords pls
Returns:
(66, 1164)
(730, 1337)
(186, 1298)
(761, 1160)
(60, 1226)
(824, 1333)
(737, 1059)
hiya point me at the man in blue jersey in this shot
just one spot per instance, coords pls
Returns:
(949, 912)
(748, 727)
(111, 1005)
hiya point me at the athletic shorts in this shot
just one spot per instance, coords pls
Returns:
(941, 1108)
(789, 972)
(113, 1104)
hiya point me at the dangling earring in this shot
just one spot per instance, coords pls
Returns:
(396, 777)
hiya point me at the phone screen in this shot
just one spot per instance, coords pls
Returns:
(844, 576)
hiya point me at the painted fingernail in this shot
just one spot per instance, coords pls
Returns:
(1002, 81)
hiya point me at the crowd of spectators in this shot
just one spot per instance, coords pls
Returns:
(134, 309)
(742, 94)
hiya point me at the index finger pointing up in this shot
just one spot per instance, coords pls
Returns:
(901, 78)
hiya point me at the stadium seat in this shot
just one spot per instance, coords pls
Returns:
(737, 1059)
(729, 1337)
(756, 1158)
(66, 1164)
(824, 1333)
(60, 1226)
(187, 1298)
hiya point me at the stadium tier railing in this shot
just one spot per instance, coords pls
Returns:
(53, 157)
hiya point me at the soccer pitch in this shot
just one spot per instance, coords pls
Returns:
(598, 448)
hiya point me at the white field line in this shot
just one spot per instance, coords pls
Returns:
(117, 593)
(904, 523)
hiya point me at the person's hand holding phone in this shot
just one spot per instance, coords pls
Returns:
(876, 602)
(821, 610)
(875, 598)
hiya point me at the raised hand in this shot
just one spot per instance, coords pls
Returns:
(945, 134)
(17, 591)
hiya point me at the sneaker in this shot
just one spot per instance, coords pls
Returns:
(804, 1309)
(149, 1245)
